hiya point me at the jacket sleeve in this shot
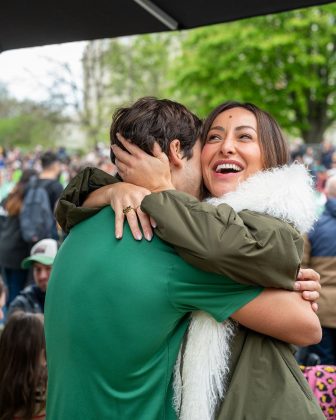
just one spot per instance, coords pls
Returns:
(306, 253)
(69, 211)
(249, 247)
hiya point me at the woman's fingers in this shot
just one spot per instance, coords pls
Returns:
(130, 147)
(311, 296)
(122, 169)
(308, 274)
(119, 222)
(121, 155)
(133, 222)
(309, 285)
(145, 224)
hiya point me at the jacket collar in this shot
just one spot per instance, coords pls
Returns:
(285, 193)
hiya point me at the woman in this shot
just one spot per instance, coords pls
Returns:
(23, 369)
(246, 153)
(13, 249)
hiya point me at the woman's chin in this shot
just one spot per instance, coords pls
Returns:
(219, 192)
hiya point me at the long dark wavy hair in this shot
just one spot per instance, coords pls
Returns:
(14, 200)
(23, 378)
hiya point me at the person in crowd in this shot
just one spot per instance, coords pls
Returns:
(13, 249)
(23, 370)
(2, 299)
(327, 154)
(154, 289)
(320, 254)
(49, 180)
(32, 298)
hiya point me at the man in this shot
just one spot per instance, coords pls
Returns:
(31, 299)
(320, 254)
(48, 179)
(111, 355)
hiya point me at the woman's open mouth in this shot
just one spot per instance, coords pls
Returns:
(223, 167)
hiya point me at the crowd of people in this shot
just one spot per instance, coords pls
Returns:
(265, 232)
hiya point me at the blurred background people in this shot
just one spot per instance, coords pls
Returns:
(13, 249)
(23, 369)
(320, 254)
(32, 298)
(49, 180)
(2, 300)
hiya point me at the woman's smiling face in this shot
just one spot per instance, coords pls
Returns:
(231, 152)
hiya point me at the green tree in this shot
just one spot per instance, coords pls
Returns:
(26, 123)
(139, 66)
(285, 63)
(116, 72)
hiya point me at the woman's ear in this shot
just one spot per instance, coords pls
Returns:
(175, 153)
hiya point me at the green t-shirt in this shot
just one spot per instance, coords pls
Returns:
(116, 312)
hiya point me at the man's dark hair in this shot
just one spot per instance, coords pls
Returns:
(48, 158)
(150, 119)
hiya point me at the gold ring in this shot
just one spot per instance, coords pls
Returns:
(128, 209)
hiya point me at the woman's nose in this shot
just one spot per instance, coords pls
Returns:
(228, 146)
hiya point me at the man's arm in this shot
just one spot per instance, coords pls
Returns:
(283, 315)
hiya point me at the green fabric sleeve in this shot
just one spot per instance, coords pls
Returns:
(248, 247)
(69, 211)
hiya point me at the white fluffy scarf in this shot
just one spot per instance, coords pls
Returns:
(285, 193)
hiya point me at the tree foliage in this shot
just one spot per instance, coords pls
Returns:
(26, 123)
(285, 63)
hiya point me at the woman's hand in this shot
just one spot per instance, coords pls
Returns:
(125, 199)
(308, 283)
(140, 168)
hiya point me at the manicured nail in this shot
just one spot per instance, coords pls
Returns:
(148, 236)
(297, 286)
(138, 237)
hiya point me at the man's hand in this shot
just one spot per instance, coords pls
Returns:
(308, 283)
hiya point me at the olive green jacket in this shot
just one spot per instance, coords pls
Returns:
(264, 381)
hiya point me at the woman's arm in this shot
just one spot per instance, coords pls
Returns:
(283, 315)
(248, 247)
(69, 210)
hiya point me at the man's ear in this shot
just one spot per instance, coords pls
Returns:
(175, 153)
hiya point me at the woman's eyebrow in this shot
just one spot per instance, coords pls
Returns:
(244, 127)
(217, 127)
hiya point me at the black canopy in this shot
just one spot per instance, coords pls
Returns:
(40, 22)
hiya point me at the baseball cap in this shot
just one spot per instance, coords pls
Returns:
(43, 252)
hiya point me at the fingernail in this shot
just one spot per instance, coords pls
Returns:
(148, 237)
(138, 237)
(299, 276)
(297, 286)
(118, 236)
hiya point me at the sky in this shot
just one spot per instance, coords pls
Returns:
(26, 72)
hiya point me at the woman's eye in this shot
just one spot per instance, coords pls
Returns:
(213, 137)
(245, 137)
